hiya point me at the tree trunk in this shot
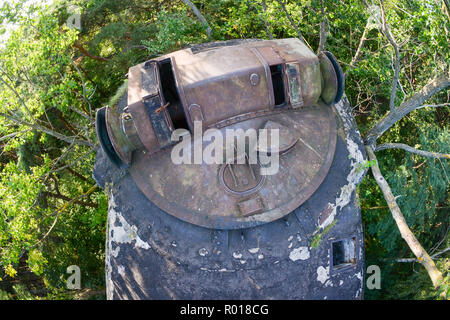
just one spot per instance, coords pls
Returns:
(406, 233)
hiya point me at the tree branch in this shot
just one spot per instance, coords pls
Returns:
(12, 135)
(83, 83)
(47, 130)
(288, 16)
(266, 24)
(87, 54)
(323, 29)
(412, 150)
(75, 201)
(18, 97)
(420, 253)
(447, 5)
(77, 174)
(433, 105)
(434, 256)
(58, 212)
(199, 16)
(70, 164)
(415, 102)
(359, 50)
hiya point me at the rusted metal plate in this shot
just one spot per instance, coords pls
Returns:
(137, 109)
(251, 206)
(159, 120)
(149, 86)
(293, 79)
(219, 81)
(195, 193)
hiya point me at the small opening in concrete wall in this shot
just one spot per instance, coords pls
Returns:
(344, 253)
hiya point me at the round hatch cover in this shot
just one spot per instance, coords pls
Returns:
(232, 196)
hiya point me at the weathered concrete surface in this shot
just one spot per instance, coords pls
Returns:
(153, 255)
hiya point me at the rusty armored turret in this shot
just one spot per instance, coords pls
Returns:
(232, 228)
(259, 84)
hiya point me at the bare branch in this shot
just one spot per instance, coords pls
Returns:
(77, 174)
(359, 50)
(413, 103)
(72, 163)
(447, 5)
(81, 113)
(199, 16)
(434, 256)
(387, 32)
(83, 83)
(433, 105)
(47, 130)
(266, 24)
(323, 29)
(412, 150)
(420, 253)
(12, 135)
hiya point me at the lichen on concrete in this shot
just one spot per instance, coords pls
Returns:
(356, 159)
(323, 274)
(300, 253)
(120, 232)
(124, 232)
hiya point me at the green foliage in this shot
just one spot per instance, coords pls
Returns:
(315, 241)
(444, 288)
(366, 165)
(5, 295)
(175, 30)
